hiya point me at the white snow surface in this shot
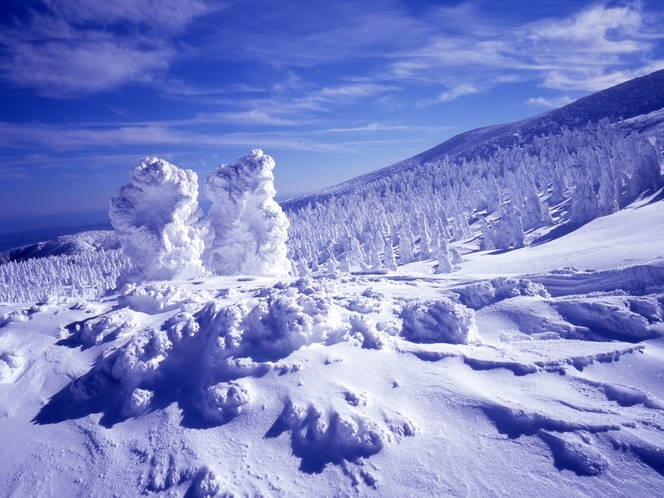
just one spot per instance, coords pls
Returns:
(535, 371)
(250, 228)
(159, 223)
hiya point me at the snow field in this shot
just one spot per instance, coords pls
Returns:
(384, 383)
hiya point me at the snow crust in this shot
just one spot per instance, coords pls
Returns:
(250, 227)
(159, 223)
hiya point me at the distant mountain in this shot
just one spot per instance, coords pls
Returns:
(67, 244)
(637, 97)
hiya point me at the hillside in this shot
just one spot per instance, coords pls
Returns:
(637, 97)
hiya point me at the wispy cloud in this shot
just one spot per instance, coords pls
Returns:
(591, 50)
(71, 47)
(61, 139)
(451, 94)
(553, 103)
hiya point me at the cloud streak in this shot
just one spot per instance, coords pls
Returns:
(75, 47)
(591, 50)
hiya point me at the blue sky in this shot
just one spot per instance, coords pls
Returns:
(330, 89)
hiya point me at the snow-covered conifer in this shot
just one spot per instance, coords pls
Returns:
(444, 257)
(159, 223)
(250, 229)
(406, 244)
(390, 261)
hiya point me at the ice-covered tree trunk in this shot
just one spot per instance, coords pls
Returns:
(249, 226)
(159, 223)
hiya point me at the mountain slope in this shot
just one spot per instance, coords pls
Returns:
(77, 243)
(500, 187)
(636, 97)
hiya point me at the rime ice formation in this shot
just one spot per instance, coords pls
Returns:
(159, 223)
(249, 226)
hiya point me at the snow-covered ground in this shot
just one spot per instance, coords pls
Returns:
(530, 372)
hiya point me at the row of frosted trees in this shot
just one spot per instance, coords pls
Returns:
(88, 275)
(415, 214)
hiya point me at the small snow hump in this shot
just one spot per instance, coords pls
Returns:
(439, 321)
(250, 228)
(159, 223)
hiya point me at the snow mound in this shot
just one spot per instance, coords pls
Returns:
(153, 298)
(615, 317)
(17, 315)
(225, 400)
(12, 364)
(104, 327)
(636, 280)
(209, 348)
(319, 436)
(573, 453)
(439, 321)
(138, 403)
(159, 223)
(250, 228)
(479, 295)
(286, 320)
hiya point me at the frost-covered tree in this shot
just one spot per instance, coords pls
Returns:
(406, 244)
(250, 229)
(444, 258)
(389, 260)
(159, 223)
(580, 174)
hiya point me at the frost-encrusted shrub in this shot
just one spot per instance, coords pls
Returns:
(137, 403)
(155, 297)
(284, 321)
(332, 437)
(97, 329)
(159, 223)
(442, 320)
(506, 287)
(250, 229)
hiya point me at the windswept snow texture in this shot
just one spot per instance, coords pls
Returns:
(349, 384)
(159, 223)
(250, 229)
